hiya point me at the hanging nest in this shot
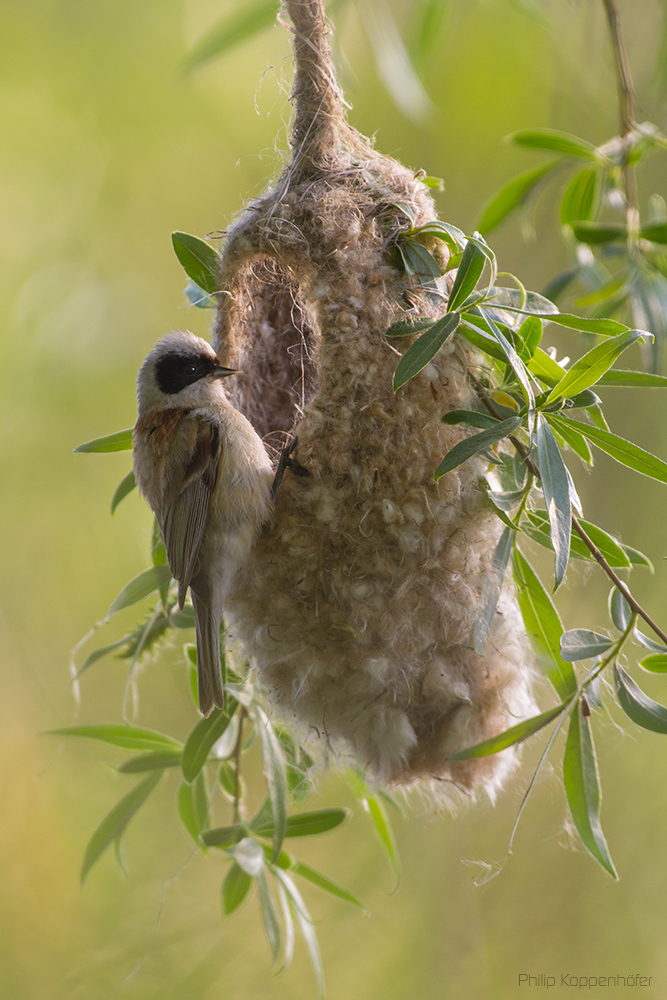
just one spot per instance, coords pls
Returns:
(358, 603)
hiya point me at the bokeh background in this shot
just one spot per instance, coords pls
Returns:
(106, 148)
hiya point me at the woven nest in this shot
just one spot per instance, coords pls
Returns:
(358, 602)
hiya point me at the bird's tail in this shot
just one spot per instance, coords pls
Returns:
(209, 670)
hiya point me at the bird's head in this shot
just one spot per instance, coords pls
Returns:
(181, 370)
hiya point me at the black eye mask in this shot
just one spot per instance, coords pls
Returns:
(176, 371)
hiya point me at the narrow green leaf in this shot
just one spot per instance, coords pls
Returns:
(555, 141)
(202, 739)
(638, 706)
(472, 418)
(656, 647)
(656, 232)
(193, 806)
(288, 923)
(199, 297)
(512, 196)
(474, 329)
(405, 327)
(530, 333)
(305, 925)
(581, 198)
(656, 663)
(556, 488)
(492, 588)
(486, 250)
(597, 232)
(235, 888)
(125, 487)
(120, 441)
(583, 644)
(304, 824)
(586, 399)
(623, 451)
(141, 586)
(236, 27)
(457, 238)
(199, 260)
(380, 820)
(597, 417)
(273, 766)
(227, 779)
(545, 368)
(299, 765)
(573, 439)
(601, 327)
(615, 553)
(517, 365)
(582, 788)
(127, 737)
(543, 625)
(470, 446)
(97, 654)
(424, 349)
(269, 915)
(467, 275)
(518, 300)
(619, 609)
(154, 760)
(114, 823)
(324, 882)
(224, 836)
(422, 263)
(508, 738)
(589, 368)
(158, 550)
(622, 379)
(506, 501)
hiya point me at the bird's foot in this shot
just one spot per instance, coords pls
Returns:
(287, 462)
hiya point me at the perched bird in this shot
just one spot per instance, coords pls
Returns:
(208, 478)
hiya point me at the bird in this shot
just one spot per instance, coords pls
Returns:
(208, 478)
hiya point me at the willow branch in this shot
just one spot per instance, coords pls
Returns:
(626, 90)
(626, 102)
(576, 524)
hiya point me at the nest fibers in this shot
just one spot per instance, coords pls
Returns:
(358, 602)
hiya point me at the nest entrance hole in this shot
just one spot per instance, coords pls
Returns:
(275, 343)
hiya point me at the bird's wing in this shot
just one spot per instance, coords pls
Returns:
(195, 454)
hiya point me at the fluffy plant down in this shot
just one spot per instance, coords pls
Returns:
(358, 602)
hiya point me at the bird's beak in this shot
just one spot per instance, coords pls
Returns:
(220, 372)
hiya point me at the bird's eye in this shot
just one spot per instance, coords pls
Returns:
(191, 369)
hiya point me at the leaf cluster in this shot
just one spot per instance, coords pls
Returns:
(619, 259)
(208, 765)
(533, 413)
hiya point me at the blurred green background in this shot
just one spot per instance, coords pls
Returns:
(107, 147)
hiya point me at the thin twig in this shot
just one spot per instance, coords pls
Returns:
(626, 107)
(626, 91)
(590, 545)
